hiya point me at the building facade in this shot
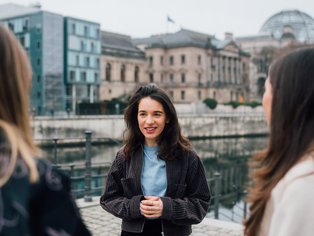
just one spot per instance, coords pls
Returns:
(289, 28)
(82, 52)
(34, 28)
(123, 66)
(50, 45)
(192, 66)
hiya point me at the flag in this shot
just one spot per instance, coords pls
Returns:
(170, 20)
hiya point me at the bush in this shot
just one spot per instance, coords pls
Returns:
(253, 104)
(234, 104)
(211, 103)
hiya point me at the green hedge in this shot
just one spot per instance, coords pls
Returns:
(211, 103)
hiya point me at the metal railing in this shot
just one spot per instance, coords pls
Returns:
(240, 211)
(88, 179)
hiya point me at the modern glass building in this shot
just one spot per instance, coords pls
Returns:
(82, 61)
(54, 49)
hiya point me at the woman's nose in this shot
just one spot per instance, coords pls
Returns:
(149, 119)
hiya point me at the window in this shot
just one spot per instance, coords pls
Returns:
(38, 79)
(22, 41)
(199, 95)
(199, 60)
(171, 61)
(95, 77)
(38, 61)
(11, 26)
(108, 72)
(92, 47)
(122, 73)
(85, 30)
(171, 94)
(182, 95)
(38, 44)
(87, 61)
(136, 74)
(150, 60)
(72, 75)
(161, 60)
(82, 45)
(38, 94)
(77, 60)
(183, 78)
(26, 25)
(199, 78)
(182, 59)
(73, 28)
(171, 78)
(151, 77)
(97, 63)
(162, 78)
(83, 76)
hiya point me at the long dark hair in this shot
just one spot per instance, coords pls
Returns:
(171, 142)
(291, 129)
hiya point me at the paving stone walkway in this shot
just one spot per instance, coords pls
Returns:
(102, 223)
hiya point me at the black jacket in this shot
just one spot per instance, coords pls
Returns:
(186, 201)
(43, 208)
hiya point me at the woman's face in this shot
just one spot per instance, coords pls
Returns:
(267, 100)
(151, 119)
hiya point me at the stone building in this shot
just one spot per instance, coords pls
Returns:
(287, 28)
(123, 66)
(192, 66)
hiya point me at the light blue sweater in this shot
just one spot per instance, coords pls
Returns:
(154, 177)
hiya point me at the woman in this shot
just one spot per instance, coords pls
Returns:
(283, 180)
(35, 199)
(156, 184)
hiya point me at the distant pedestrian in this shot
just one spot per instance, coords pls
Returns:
(282, 193)
(35, 198)
(157, 183)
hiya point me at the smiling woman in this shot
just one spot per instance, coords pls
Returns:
(157, 183)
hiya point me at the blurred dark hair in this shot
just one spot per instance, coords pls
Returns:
(291, 128)
(171, 142)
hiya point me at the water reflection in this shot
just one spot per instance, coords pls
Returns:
(227, 156)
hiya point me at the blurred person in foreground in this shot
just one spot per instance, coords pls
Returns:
(35, 199)
(157, 183)
(282, 193)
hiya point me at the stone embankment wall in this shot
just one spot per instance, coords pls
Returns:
(111, 127)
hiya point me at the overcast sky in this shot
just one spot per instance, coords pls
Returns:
(142, 18)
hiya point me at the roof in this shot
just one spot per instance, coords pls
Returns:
(181, 38)
(184, 38)
(10, 10)
(119, 45)
(301, 24)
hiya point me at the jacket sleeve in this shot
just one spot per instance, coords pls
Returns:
(192, 208)
(293, 211)
(114, 200)
(53, 210)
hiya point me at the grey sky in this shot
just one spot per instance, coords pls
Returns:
(142, 18)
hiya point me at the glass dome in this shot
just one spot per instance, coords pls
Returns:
(302, 25)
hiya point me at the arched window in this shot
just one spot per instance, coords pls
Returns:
(122, 73)
(136, 74)
(108, 72)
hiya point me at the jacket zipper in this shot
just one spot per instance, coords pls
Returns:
(162, 229)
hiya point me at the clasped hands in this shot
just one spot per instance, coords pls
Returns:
(151, 207)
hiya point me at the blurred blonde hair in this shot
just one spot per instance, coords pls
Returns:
(15, 80)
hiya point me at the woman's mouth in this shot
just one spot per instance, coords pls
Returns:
(150, 130)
